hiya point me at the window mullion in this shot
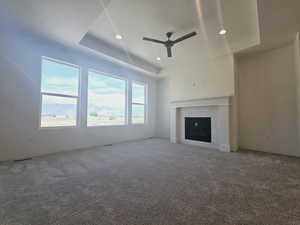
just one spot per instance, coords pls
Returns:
(129, 119)
(59, 95)
(84, 96)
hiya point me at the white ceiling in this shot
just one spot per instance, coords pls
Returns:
(279, 22)
(134, 19)
(261, 23)
(139, 18)
(63, 20)
(239, 18)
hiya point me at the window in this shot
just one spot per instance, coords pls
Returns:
(138, 103)
(59, 94)
(106, 100)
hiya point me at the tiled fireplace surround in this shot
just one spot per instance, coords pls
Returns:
(218, 109)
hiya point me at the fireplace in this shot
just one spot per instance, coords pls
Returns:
(202, 122)
(198, 129)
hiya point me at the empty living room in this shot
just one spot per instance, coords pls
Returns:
(149, 112)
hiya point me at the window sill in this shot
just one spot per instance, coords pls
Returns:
(139, 124)
(103, 126)
(58, 128)
(90, 127)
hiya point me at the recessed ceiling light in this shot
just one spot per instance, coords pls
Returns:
(223, 32)
(119, 36)
(158, 58)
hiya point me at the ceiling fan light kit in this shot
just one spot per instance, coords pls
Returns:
(169, 43)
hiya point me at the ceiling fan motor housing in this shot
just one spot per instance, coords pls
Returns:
(169, 43)
(169, 35)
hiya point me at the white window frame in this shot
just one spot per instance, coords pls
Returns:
(78, 97)
(126, 97)
(145, 102)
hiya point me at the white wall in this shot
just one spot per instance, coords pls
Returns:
(267, 102)
(234, 113)
(163, 110)
(20, 74)
(194, 72)
(297, 63)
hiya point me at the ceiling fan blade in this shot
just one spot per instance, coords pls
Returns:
(185, 37)
(153, 40)
(169, 52)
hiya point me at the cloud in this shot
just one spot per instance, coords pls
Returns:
(140, 100)
(58, 100)
(61, 81)
(113, 100)
(94, 81)
(106, 90)
(97, 85)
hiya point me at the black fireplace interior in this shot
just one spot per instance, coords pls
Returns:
(198, 129)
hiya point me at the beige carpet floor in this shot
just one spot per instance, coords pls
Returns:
(151, 182)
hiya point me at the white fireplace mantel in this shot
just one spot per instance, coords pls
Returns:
(216, 108)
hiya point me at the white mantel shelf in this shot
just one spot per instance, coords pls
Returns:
(216, 108)
(220, 101)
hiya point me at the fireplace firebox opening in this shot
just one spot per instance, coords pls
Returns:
(198, 129)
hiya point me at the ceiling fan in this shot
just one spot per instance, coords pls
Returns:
(169, 43)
